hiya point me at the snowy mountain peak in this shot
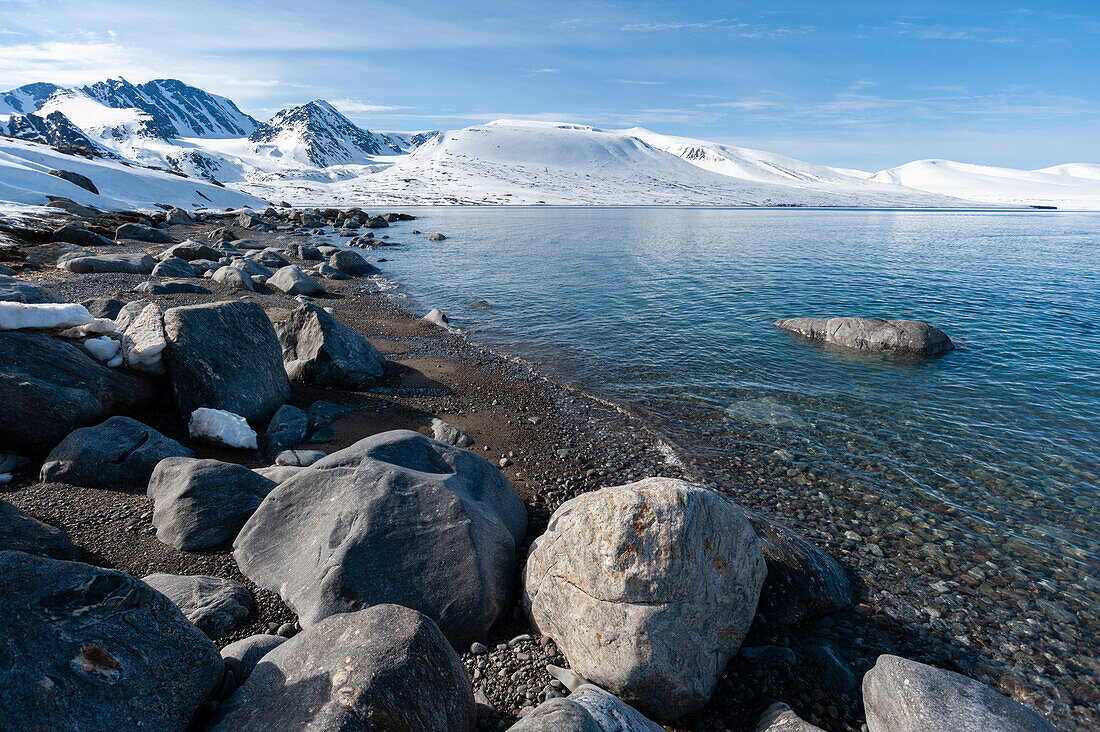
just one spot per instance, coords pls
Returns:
(317, 134)
(176, 109)
(54, 129)
(27, 98)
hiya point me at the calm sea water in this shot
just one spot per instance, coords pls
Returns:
(669, 312)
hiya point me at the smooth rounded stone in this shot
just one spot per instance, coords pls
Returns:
(245, 654)
(202, 504)
(48, 388)
(141, 232)
(251, 267)
(307, 252)
(900, 695)
(77, 234)
(293, 281)
(319, 349)
(119, 452)
(103, 307)
(803, 581)
(213, 604)
(331, 273)
(190, 250)
(173, 267)
(448, 434)
(352, 531)
(437, 317)
(225, 356)
(377, 223)
(279, 473)
(233, 277)
(42, 316)
(648, 590)
(86, 647)
(13, 289)
(172, 287)
(299, 458)
(139, 263)
(23, 533)
(588, 709)
(288, 427)
(270, 257)
(55, 252)
(906, 337)
(206, 266)
(781, 718)
(436, 237)
(352, 263)
(383, 668)
(327, 251)
(222, 428)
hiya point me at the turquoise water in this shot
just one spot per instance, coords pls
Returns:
(669, 312)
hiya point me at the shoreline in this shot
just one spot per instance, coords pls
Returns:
(494, 397)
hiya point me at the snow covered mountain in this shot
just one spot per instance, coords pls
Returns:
(26, 99)
(1072, 186)
(54, 129)
(174, 108)
(317, 134)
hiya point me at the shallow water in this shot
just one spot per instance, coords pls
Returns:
(670, 312)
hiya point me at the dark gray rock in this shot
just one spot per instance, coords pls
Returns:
(293, 281)
(87, 648)
(23, 533)
(173, 267)
(243, 655)
(234, 278)
(77, 234)
(171, 287)
(803, 581)
(248, 221)
(436, 237)
(307, 252)
(331, 273)
(190, 250)
(225, 356)
(76, 179)
(279, 473)
(780, 718)
(67, 204)
(588, 709)
(322, 413)
(55, 253)
(351, 263)
(103, 307)
(139, 263)
(298, 458)
(287, 428)
(116, 453)
(384, 668)
(141, 232)
(902, 337)
(822, 665)
(900, 695)
(202, 504)
(48, 388)
(318, 349)
(213, 604)
(13, 289)
(350, 531)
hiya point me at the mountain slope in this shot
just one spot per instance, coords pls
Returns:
(26, 99)
(176, 109)
(317, 134)
(54, 129)
(1005, 186)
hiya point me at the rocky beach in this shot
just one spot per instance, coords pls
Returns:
(220, 434)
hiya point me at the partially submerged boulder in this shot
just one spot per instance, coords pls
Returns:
(900, 695)
(319, 349)
(648, 589)
(213, 604)
(23, 533)
(201, 504)
(225, 356)
(86, 648)
(48, 388)
(902, 337)
(116, 453)
(588, 709)
(396, 518)
(383, 668)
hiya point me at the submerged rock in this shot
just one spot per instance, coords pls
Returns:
(116, 453)
(396, 518)
(905, 337)
(588, 709)
(383, 668)
(648, 589)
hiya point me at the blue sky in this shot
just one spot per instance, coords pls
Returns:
(848, 83)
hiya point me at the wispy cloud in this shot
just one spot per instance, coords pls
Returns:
(637, 82)
(355, 106)
(775, 33)
(652, 27)
(938, 32)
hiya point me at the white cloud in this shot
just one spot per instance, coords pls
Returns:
(637, 82)
(66, 62)
(354, 106)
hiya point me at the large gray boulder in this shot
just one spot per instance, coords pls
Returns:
(141, 232)
(191, 250)
(48, 388)
(75, 233)
(13, 289)
(173, 267)
(171, 287)
(351, 263)
(588, 709)
(781, 718)
(235, 278)
(900, 695)
(319, 349)
(902, 337)
(293, 281)
(242, 656)
(202, 504)
(86, 648)
(139, 263)
(23, 533)
(803, 581)
(648, 589)
(225, 356)
(383, 668)
(395, 518)
(213, 604)
(251, 267)
(116, 453)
